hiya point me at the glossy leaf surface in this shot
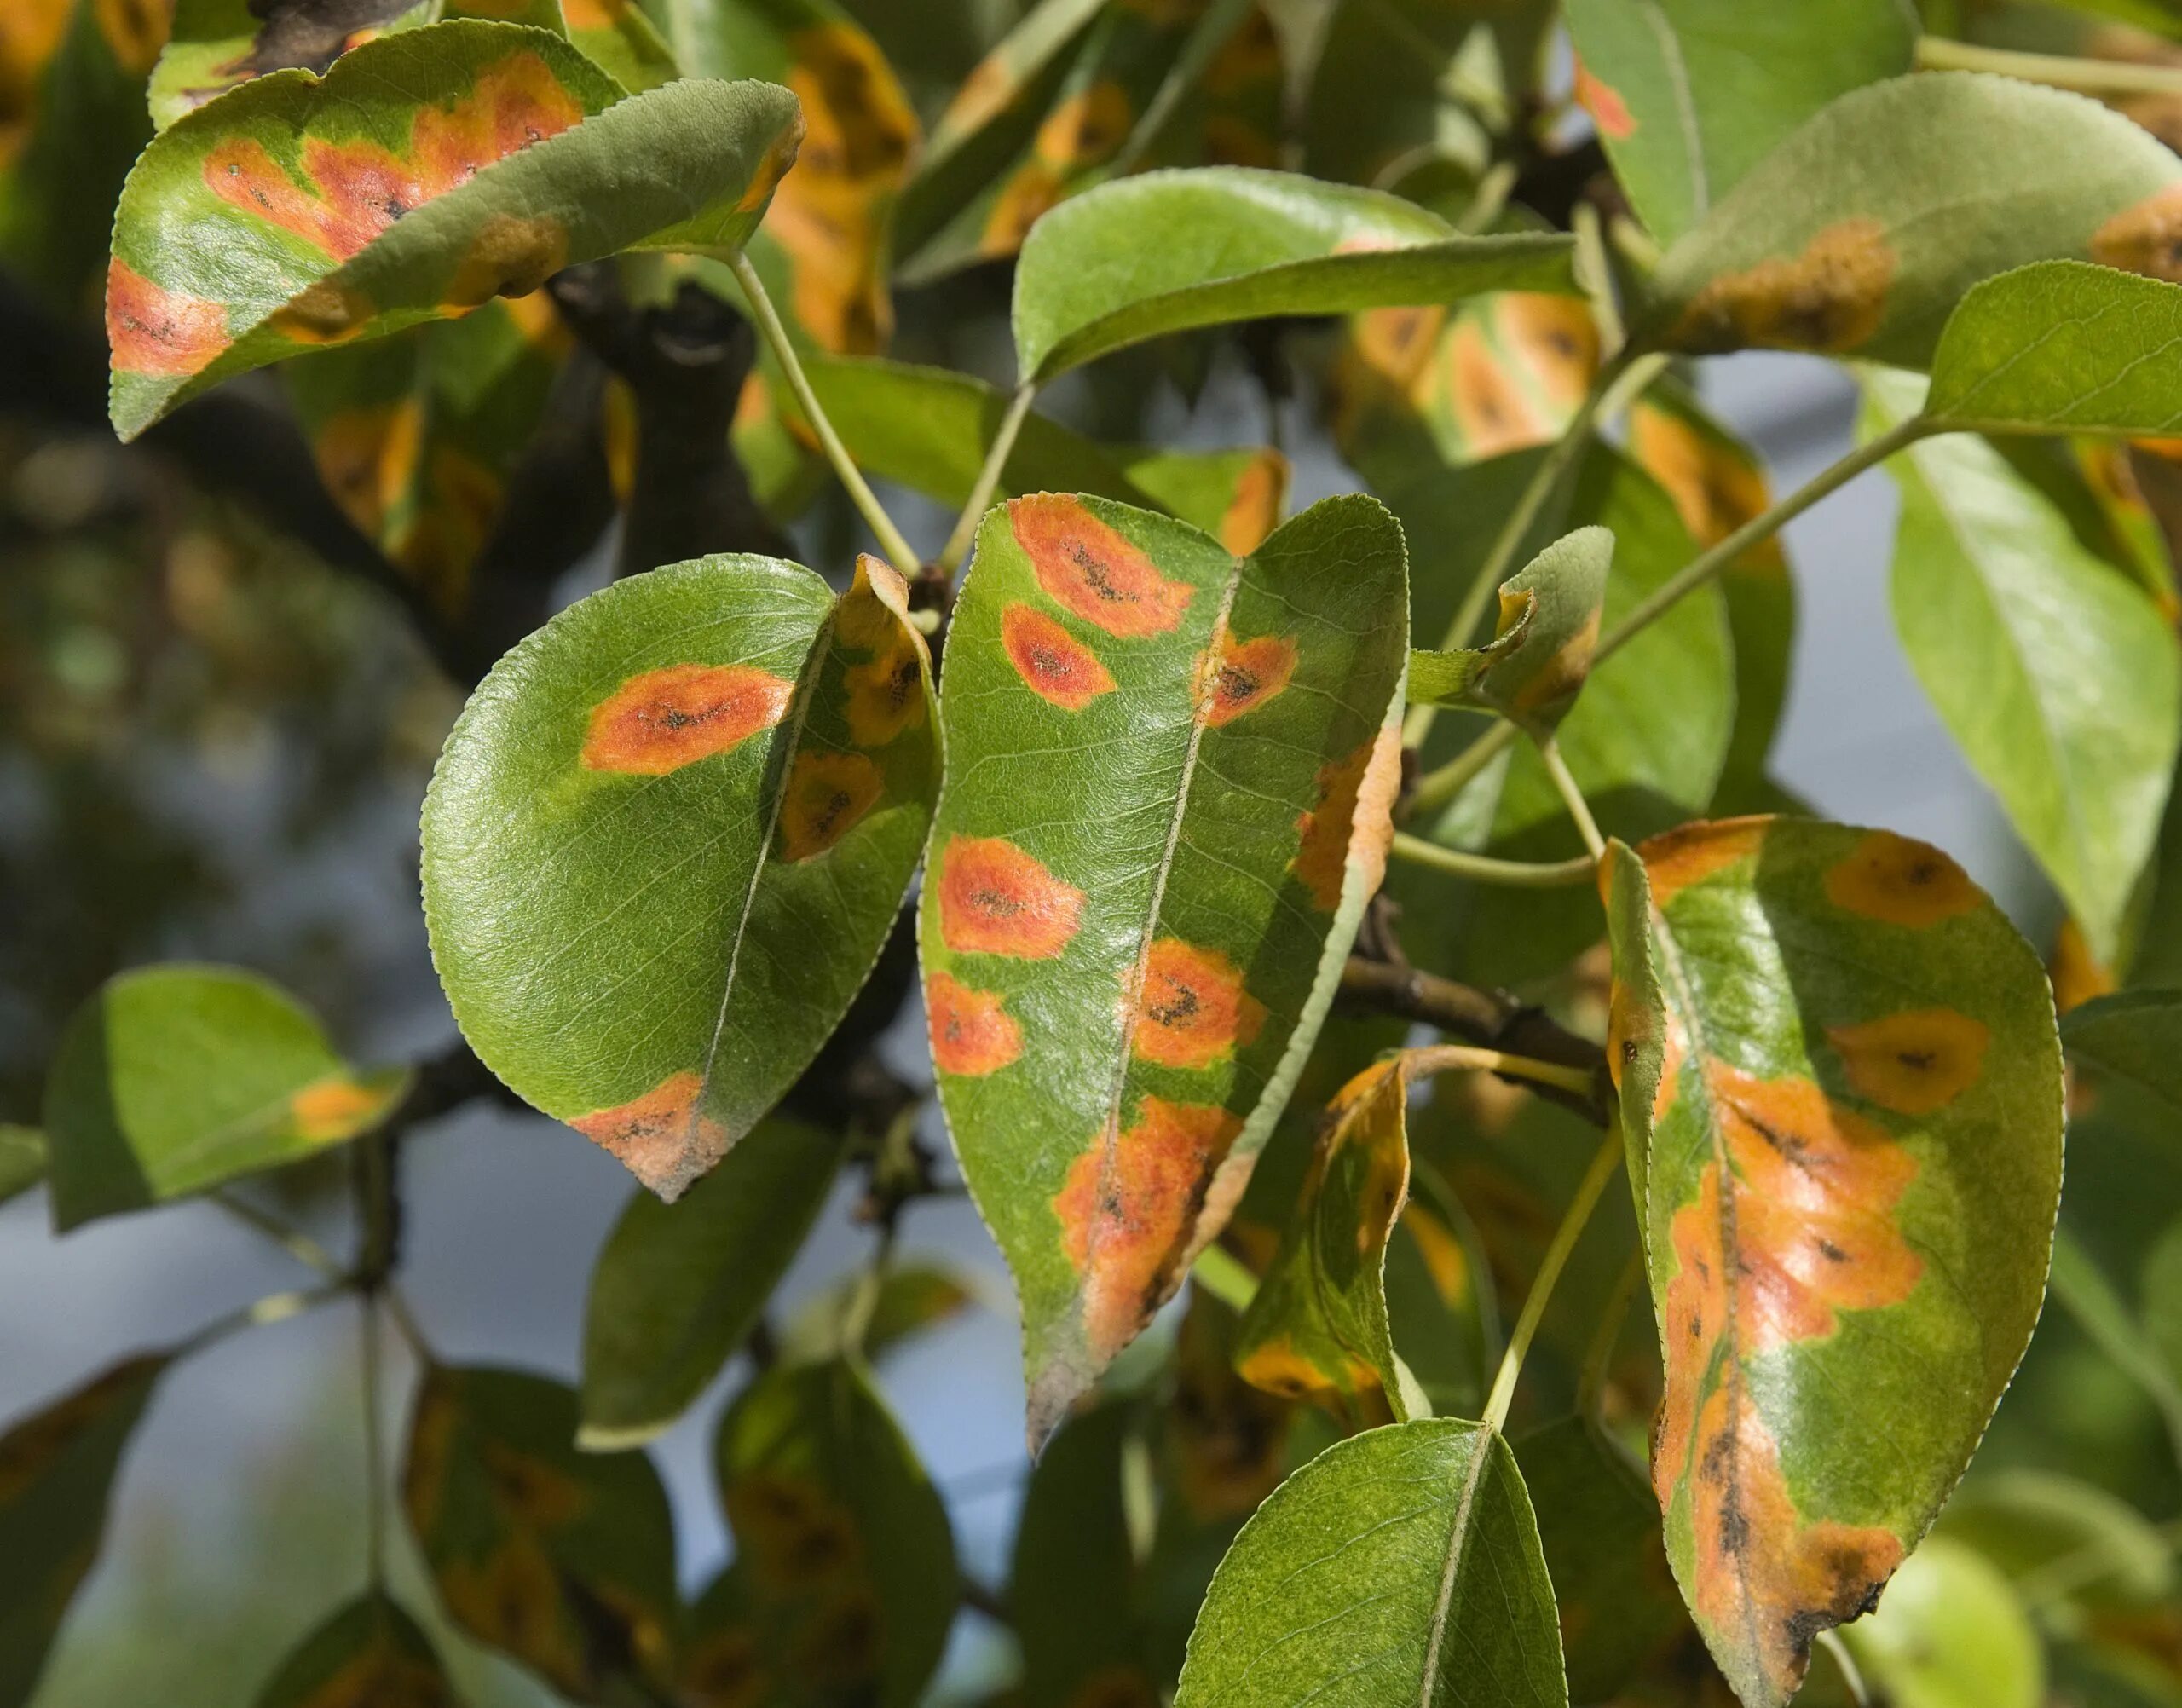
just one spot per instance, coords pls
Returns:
(678, 1288)
(57, 1469)
(562, 1561)
(1860, 232)
(1170, 773)
(843, 1584)
(2137, 1034)
(666, 840)
(1689, 95)
(175, 1078)
(1399, 1566)
(369, 1652)
(1841, 1092)
(264, 225)
(1164, 251)
(2052, 669)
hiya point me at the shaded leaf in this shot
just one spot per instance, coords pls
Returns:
(666, 840)
(175, 1078)
(562, 1561)
(216, 44)
(1171, 772)
(1540, 655)
(371, 1654)
(2105, 1317)
(615, 35)
(1951, 1634)
(1689, 95)
(1862, 230)
(1840, 1087)
(843, 1584)
(678, 1289)
(57, 1469)
(2055, 674)
(1165, 252)
(2136, 1035)
(914, 1297)
(2025, 1521)
(22, 1159)
(1401, 1565)
(264, 225)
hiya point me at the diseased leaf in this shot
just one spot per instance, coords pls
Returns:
(1165, 252)
(428, 172)
(562, 1561)
(174, 1079)
(216, 44)
(2137, 1034)
(1399, 1566)
(1548, 629)
(1951, 1634)
(370, 1652)
(678, 1287)
(843, 1584)
(2064, 346)
(1238, 496)
(22, 1159)
(1689, 95)
(615, 35)
(1862, 231)
(57, 1469)
(2056, 675)
(1171, 772)
(1841, 1092)
(666, 840)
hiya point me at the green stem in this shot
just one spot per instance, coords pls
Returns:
(1832, 1643)
(2086, 76)
(299, 1245)
(897, 549)
(1439, 1058)
(974, 512)
(855, 1321)
(274, 1307)
(1572, 797)
(374, 1447)
(1595, 273)
(1604, 1166)
(1221, 1274)
(1483, 868)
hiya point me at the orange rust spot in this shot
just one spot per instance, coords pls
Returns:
(1094, 571)
(1675, 861)
(1556, 339)
(886, 696)
(1058, 666)
(2078, 975)
(1394, 345)
(1244, 674)
(1914, 1063)
(368, 456)
(323, 313)
(159, 332)
(1608, 111)
(333, 1108)
(1831, 298)
(1353, 821)
(1255, 509)
(663, 719)
(509, 257)
(779, 160)
(662, 1138)
(973, 1033)
(798, 1535)
(1023, 200)
(997, 899)
(511, 1599)
(1898, 881)
(1129, 1211)
(874, 612)
(1561, 675)
(1191, 1009)
(134, 30)
(1493, 414)
(1715, 491)
(2145, 239)
(1086, 128)
(827, 796)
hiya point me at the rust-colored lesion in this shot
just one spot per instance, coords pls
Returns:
(1608, 111)
(1094, 571)
(886, 693)
(995, 898)
(1555, 337)
(1489, 409)
(511, 1599)
(661, 720)
(1830, 298)
(827, 796)
(1914, 1062)
(1053, 663)
(664, 1137)
(1235, 677)
(1192, 1010)
(1085, 128)
(1715, 491)
(154, 331)
(1896, 881)
(333, 1108)
(973, 1033)
(1353, 820)
(1253, 511)
(1680, 858)
(2146, 238)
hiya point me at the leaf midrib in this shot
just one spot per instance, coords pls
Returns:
(1457, 1540)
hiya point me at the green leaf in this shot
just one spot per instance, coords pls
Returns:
(678, 1289)
(251, 231)
(215, 45)
(1862, 231)
(1171, 772)
(1689, 95)
(57, 1469)
(666, 840)
(2026, 1522)
(2061, 346)
(615, 35)
(1165, 252)
(369, 1652)
(1399, 1566)
(2104, 1316)
(175, 1079)
(913, 1297)
(1317, 1328)
(844, 1583)
(2137, 1034)
(2054, 672)
(1541, 653)
(1950, 1634)
(1236, 496)
(22, 1159)
(1840, 1085)
(562, 1561)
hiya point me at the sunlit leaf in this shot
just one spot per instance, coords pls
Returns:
(1170, 777)
(1862, 231)
(57, 1469)
(667, 840)
(1548, 628)
(1950, 1634)
(22, 1159)
(843, 1584)
(562, 1561)
(2137, 1034)
(261, 226)
(1165, 252)
(678, 1288)
(1689, 95)
(371, 1652)
(175, 1078)
(2055, 673)
(1399, 1566)
(1841, 1086)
